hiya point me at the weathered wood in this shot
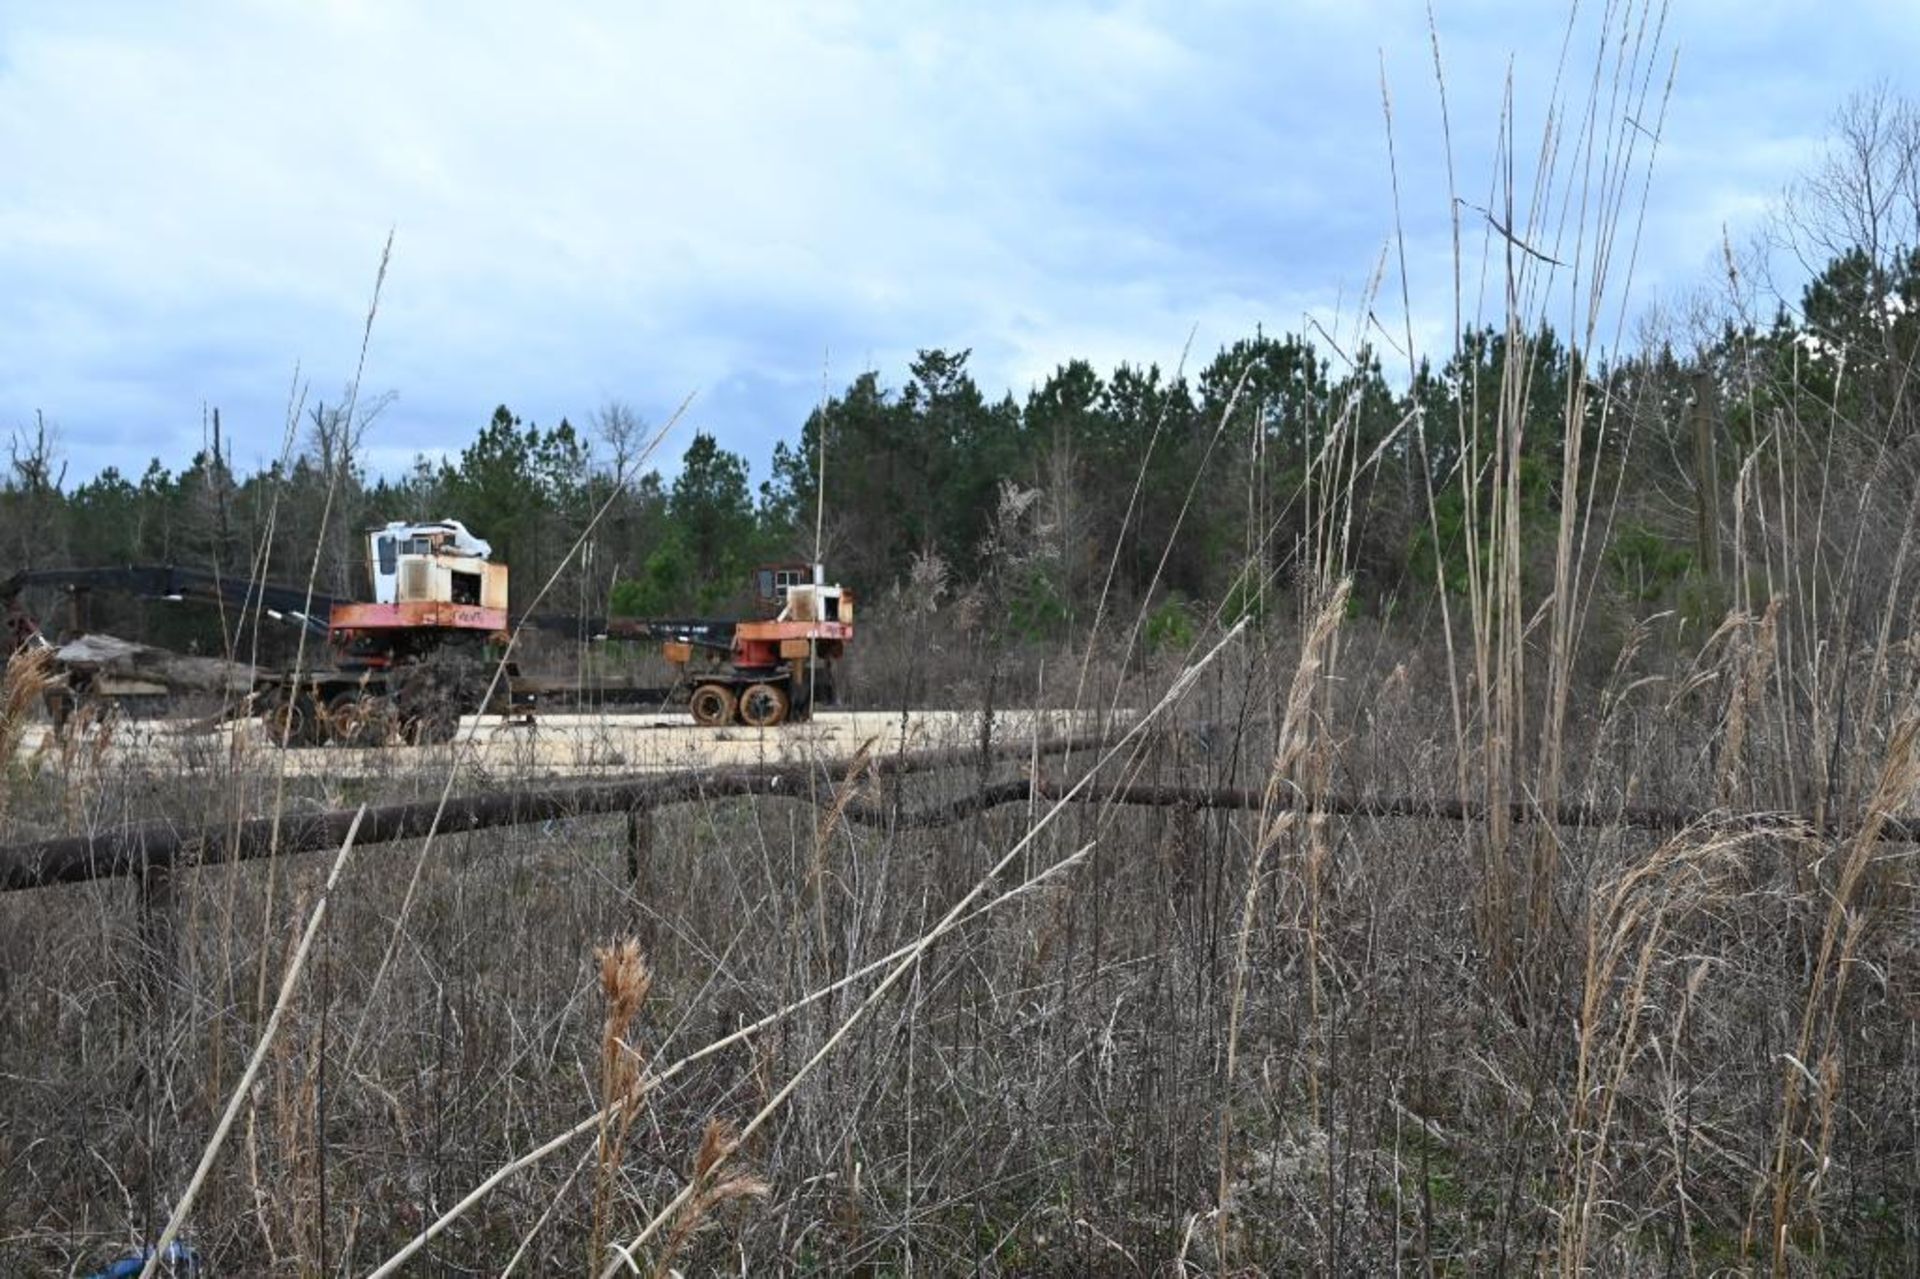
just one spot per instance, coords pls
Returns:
(158, 948)
(144, 847)
(137, 848)
(1573, 815)
(1577, 816)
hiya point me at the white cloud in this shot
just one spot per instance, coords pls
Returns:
(645, 201)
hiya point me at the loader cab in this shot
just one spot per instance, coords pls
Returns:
(772, 581)
(798, 592)
(438, 562)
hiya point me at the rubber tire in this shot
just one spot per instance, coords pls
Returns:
(712, 705)
(357, 719)
(763, 705)
(431, 696)
(299, 706)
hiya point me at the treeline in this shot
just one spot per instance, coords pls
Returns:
(1186, 492)
(1194, 493)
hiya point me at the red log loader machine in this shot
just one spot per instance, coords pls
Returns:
(423, 651)
(758, 671)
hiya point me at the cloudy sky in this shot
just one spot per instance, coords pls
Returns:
(601, 202)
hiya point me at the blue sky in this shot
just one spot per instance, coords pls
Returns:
(645, 202)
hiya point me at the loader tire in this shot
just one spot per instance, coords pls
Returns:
(432, 694)
(763, 705)
(293, 719)
(712, 705)
(357, 718)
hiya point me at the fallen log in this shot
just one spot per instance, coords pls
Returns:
(144, 847)
(1520, 812)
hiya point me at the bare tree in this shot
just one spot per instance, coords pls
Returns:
(1865, 192)
(625, 434)
(333, 445)
(37, 474)
(616, 551)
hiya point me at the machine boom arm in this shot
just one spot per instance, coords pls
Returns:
(169, 581)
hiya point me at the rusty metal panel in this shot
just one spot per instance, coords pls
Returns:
(417, 616)
(493, 586)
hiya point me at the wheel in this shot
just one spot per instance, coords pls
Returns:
(432, 694)
(292, 718)
(357, 718)
(712, 705)
(763, 705)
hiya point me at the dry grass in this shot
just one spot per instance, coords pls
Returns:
(1087, 1038)
(624, 983)
(1290, 1019)
(28, 676)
